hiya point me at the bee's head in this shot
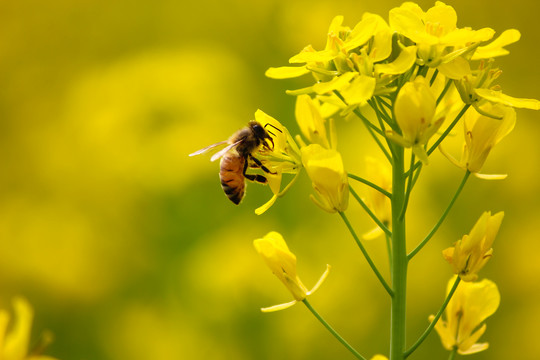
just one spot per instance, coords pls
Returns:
(260, 132)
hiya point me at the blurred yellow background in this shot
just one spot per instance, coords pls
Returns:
(128, 249)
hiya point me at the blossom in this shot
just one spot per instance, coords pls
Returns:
(328, 177)
(275, 252)
(414, 110)
(482, 133)
(469, 255)
(341, 42)
(436, 34)
(310, 120)
(14, 344)
(477, 89)
(283, 158)
(471, 304)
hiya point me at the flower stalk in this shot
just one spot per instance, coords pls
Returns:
(399, 259)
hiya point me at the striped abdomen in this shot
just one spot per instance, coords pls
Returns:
(231, 174)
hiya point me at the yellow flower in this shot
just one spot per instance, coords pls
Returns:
(381, 175)
(310, 120)
(282, 262)
(328, 176)
(472, 303)
(341, 41)
(283, 158)
(469, 255)
(14, 344)
(482, 133)
(379, 357)
(477, 88)
(414, 110)
(435, 33)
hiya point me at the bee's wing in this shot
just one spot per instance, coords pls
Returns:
(208, 148)
(224, 151)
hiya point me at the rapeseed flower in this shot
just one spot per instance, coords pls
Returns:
(275, 252)
(469, 255)
(329, 179)
(471, 304)
(482, 133)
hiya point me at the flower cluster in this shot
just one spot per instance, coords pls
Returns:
(416, 72)
(411, 81)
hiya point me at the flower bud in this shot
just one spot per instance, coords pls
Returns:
(282, 262)
(328, 176)
(473, 251)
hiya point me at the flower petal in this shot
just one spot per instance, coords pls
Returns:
(496, 47)
(404, 62)
(286, 72)
(499, 98)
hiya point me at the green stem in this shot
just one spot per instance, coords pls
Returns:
(410, 183)
(435, 73)
(437, 317)
(366, 255)
(439, 223)
(370, 184)
(332, 331)
(446, 88)
(369, 212)
(369, 126)
(389, 250)
(453, 354)
(447, 131)
(399, 259)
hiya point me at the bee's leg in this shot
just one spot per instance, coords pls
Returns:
(254, 177)
(257, 178)
(261, 166)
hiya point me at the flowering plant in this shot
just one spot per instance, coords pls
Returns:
(411, 82)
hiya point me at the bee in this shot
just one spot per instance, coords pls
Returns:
(237, 157)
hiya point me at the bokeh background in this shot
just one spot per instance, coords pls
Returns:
(128, 249)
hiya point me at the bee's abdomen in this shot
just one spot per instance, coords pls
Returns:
(232, 177)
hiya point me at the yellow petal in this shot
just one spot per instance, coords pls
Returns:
(443, 15)
(16, 341)
(499, 98)
(455, 69)
(286, 72)
(404, 62)
(360, 90)
(312, 56)
(310, 120)
(363, 31)
(336, 83)
(491, 176)
(263, 208)
(496, 47)
(279, 307)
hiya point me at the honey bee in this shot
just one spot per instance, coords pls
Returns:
(237, 157)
